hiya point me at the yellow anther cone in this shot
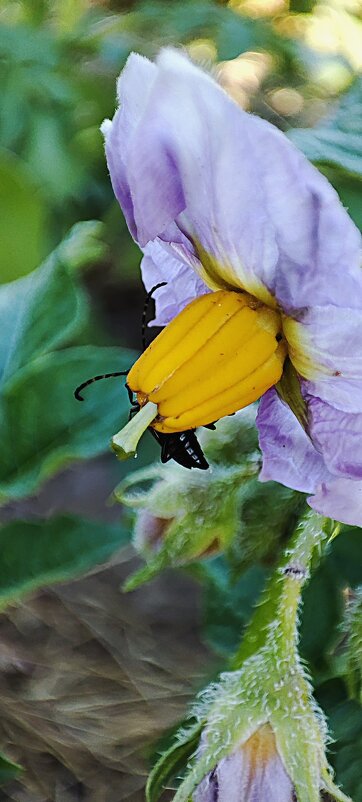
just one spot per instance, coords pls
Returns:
(221, 353)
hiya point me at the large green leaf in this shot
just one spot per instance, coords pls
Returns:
(34, 554)
(336, 141)
(22, 219)
(42, 311)
(43, 428)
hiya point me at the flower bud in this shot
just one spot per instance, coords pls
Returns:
(253, 771)
(187, 515)
(263, 736)
(183, 516)
(268, 737)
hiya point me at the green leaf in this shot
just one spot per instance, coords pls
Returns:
(43, 428)
(84, 245)
(56, 550)
(268, 515)
(345, 722)
(51, 152)
(288, 388)
(42, 311)
(318, 631)
(341, 567)
(171, 762)
(227, 605)
(349, 191)
(8, 769)
(345, 556)
(338, 140)
(22, 219)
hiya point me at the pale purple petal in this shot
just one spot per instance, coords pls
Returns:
(325, 346)
(134, 86)
(240, 190)
(340, 499)
(237, 779)
(338, 436)
(183, 284)
(289, 456)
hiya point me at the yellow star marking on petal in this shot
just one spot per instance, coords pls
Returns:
(260, 748)
(306, 358)
(220, 274)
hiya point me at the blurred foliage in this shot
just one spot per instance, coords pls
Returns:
(58, 66)
(185, 515)
(337, 141)
(43, 428)
(335, 145)
(293, 63)
(60, 549)
(22, 210)
(353, 630)
(320, 634)
(172, 761)
(8, 770)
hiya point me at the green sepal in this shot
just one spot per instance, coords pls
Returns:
(172, 761)
(288, 389)
(8, 769)
(144, 574)
(331, 788)
(183, 502)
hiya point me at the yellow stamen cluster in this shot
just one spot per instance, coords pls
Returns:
(223, 351)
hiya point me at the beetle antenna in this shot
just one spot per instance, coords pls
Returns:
(145, 310)
(77, 391)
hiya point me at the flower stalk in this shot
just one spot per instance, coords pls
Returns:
(278, 609)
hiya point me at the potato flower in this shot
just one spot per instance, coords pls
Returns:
(220, 200)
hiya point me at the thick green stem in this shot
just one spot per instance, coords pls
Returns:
(278, 609)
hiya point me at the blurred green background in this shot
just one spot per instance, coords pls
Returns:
(89, 679)
(287, 61)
